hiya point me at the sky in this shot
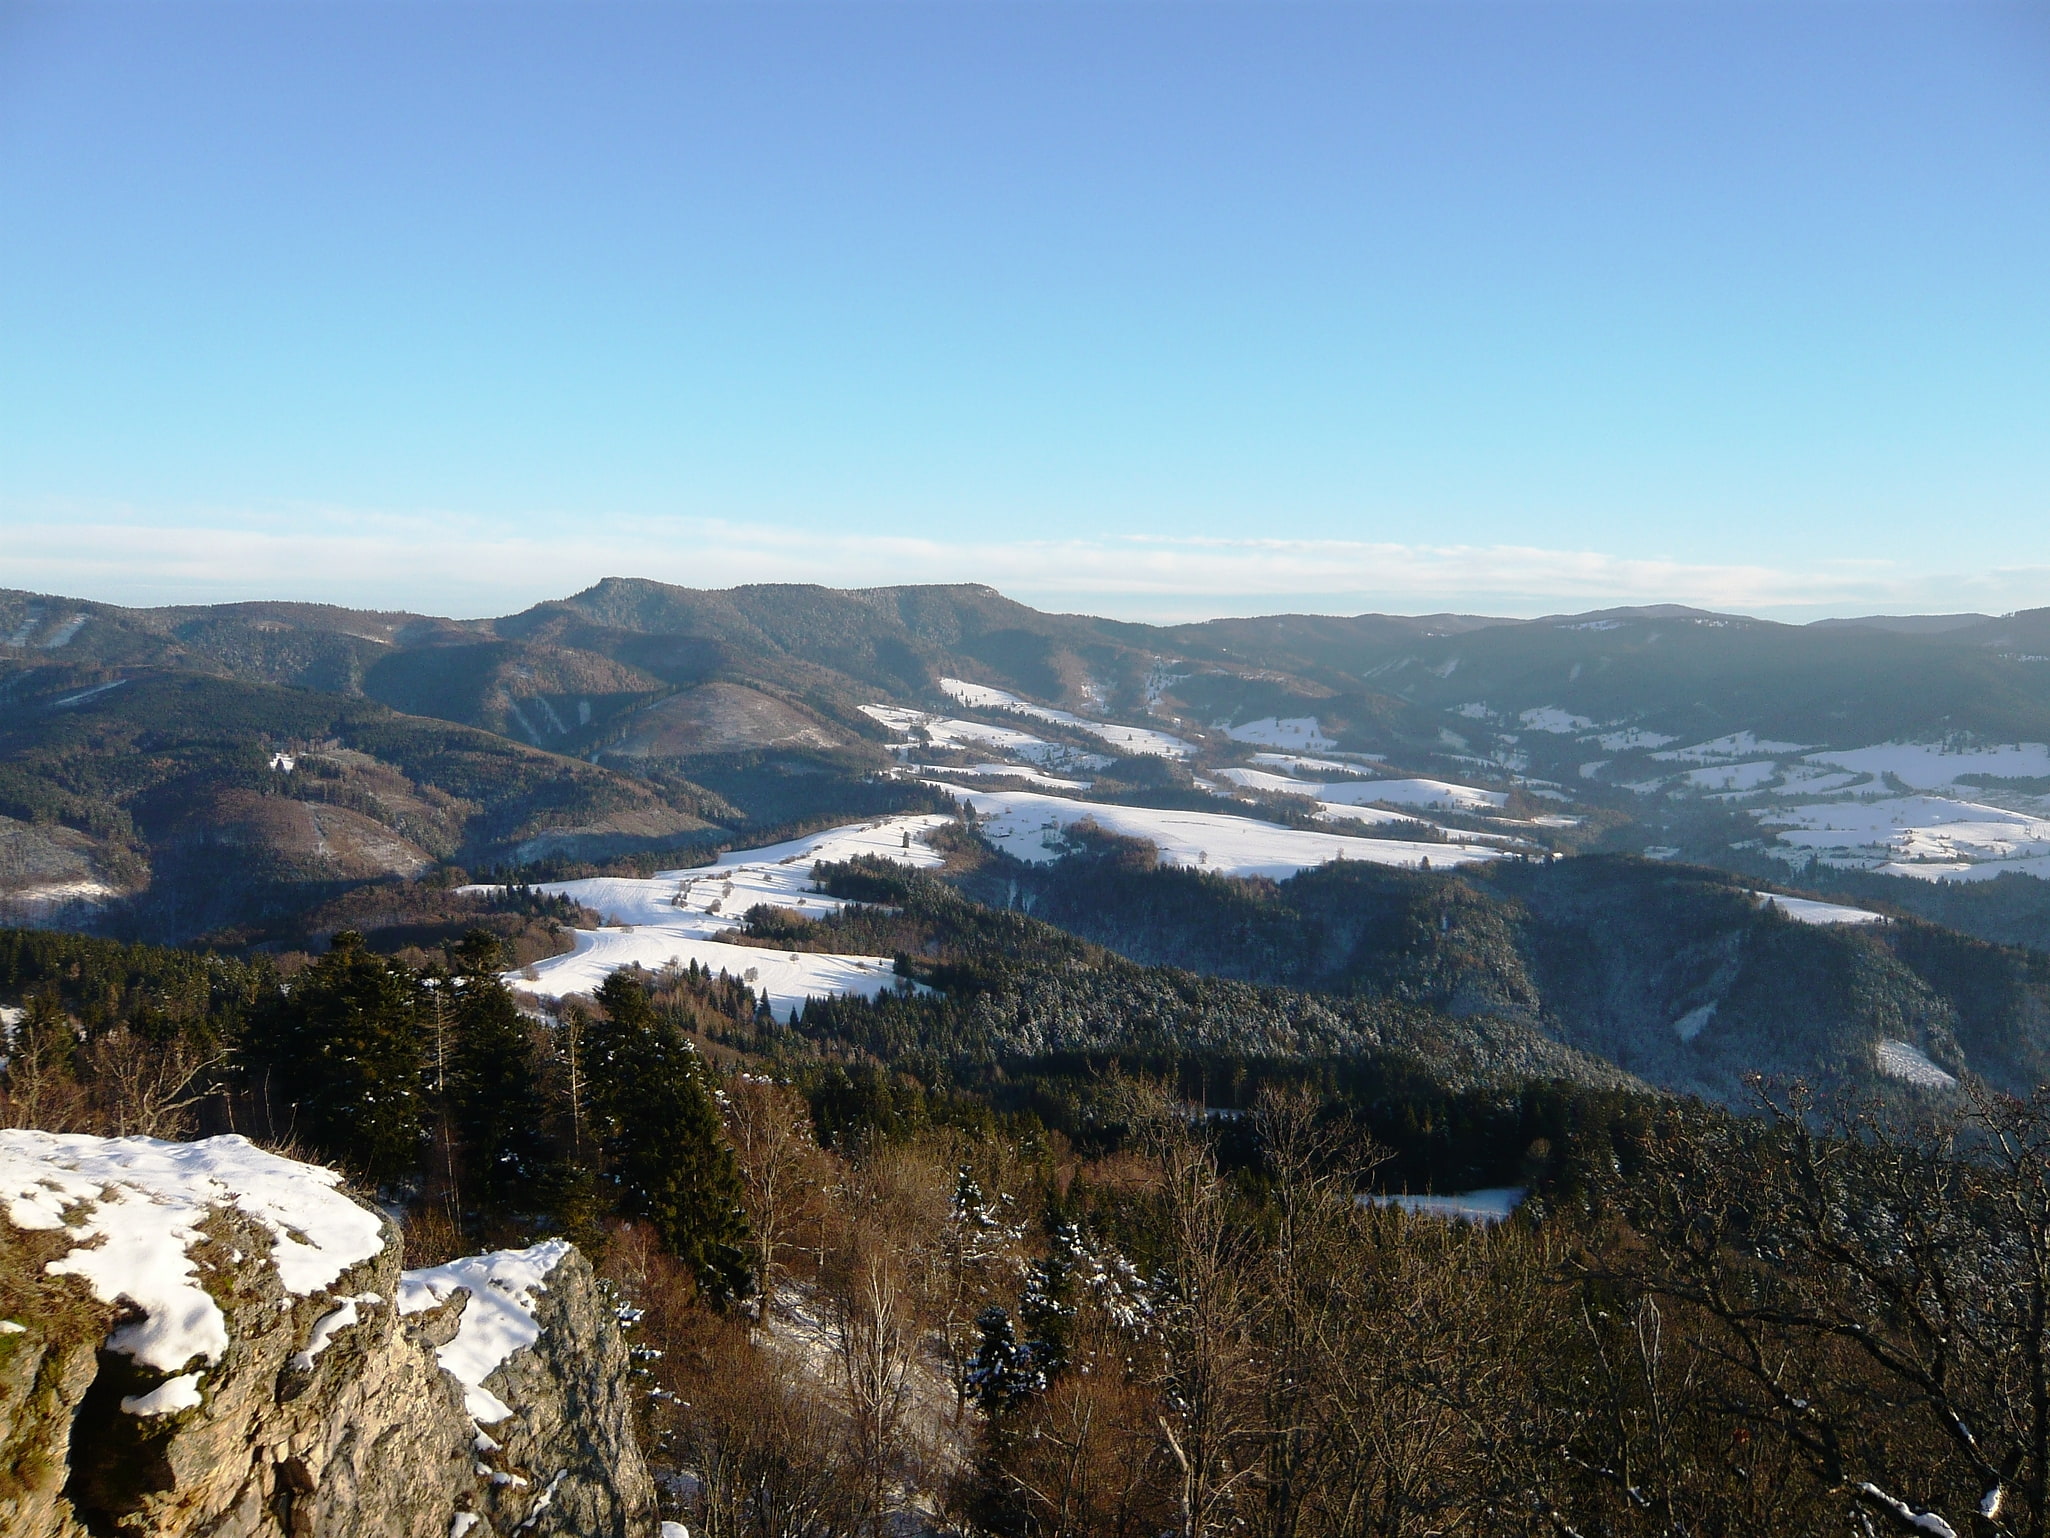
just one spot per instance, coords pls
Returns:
(1156, 308)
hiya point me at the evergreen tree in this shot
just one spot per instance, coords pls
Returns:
(1047, 1309)
(348, 1056)
(653, 1107)
(1002, 1374)
(493, 1095)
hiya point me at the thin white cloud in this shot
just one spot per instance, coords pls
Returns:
(461, 564)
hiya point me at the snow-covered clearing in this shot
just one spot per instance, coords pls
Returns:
(497, 1321)
(1740, 778)
(63, 634)
(1932, 766)
(1295, 763)
(86, 694)
(1126, 739)
(1550, 718)
(677, 917)
(1283, 732)
(1723, 749)
(994, 771)
(1806, 910)
(1908, 1062)
(1441, 795)
(1032, 827)
(1810, 780)
(1928, 836)
(1488, 1206)
(135, 1206)
(1630, 739)
(979, 736)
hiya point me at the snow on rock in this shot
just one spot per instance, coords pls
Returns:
(1805, 910)
(1911, 1065)
(1138, 740)
(498, 1320)
(167, 1398)
(1280, 732)
(1033, 827)
(1485, 1207)
(135, 1206)
(679, 916)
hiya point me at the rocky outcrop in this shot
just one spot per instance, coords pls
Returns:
(207, 1340)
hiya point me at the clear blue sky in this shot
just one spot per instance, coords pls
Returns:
(1145, 308)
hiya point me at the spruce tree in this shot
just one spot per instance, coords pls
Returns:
(493, 1096)
(348, 1055)
(665, 1148)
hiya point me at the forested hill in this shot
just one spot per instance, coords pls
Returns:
(1678, 974)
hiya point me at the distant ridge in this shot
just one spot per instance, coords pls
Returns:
(1908, 624)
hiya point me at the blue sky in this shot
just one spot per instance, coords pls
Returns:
(1154, 309)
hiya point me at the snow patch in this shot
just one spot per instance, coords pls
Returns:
(1034, 828)
(1932, 837)
(1485, 1207)
(497, 1321)
(1280, 732)
(679, 916)
(1126, 739)
(1911, 1065)
(1734, 746)
(1439, 794)
(135, 1205)
(167, 1398)
(1550, 718)
(1631, 739)
(1805, 910)
(63, 634)
(1691, 1024)
(1933, 766)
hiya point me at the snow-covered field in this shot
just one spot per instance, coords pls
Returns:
(677, 917)
(994, 771)
(1806, 910)
(1738, 778)
(1126, 739)
(1933, 837)
(1909, 1063)
(1550, 718)
(1295, 763)
(1440, 795)
(1932, 766)
(1283, 732)
(1031, 827)
(1725, 749)
(979, 736)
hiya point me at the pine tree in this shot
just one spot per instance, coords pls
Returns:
(652, 1104)
(348, 1055)
(493, 1097)
(1002, 1374)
